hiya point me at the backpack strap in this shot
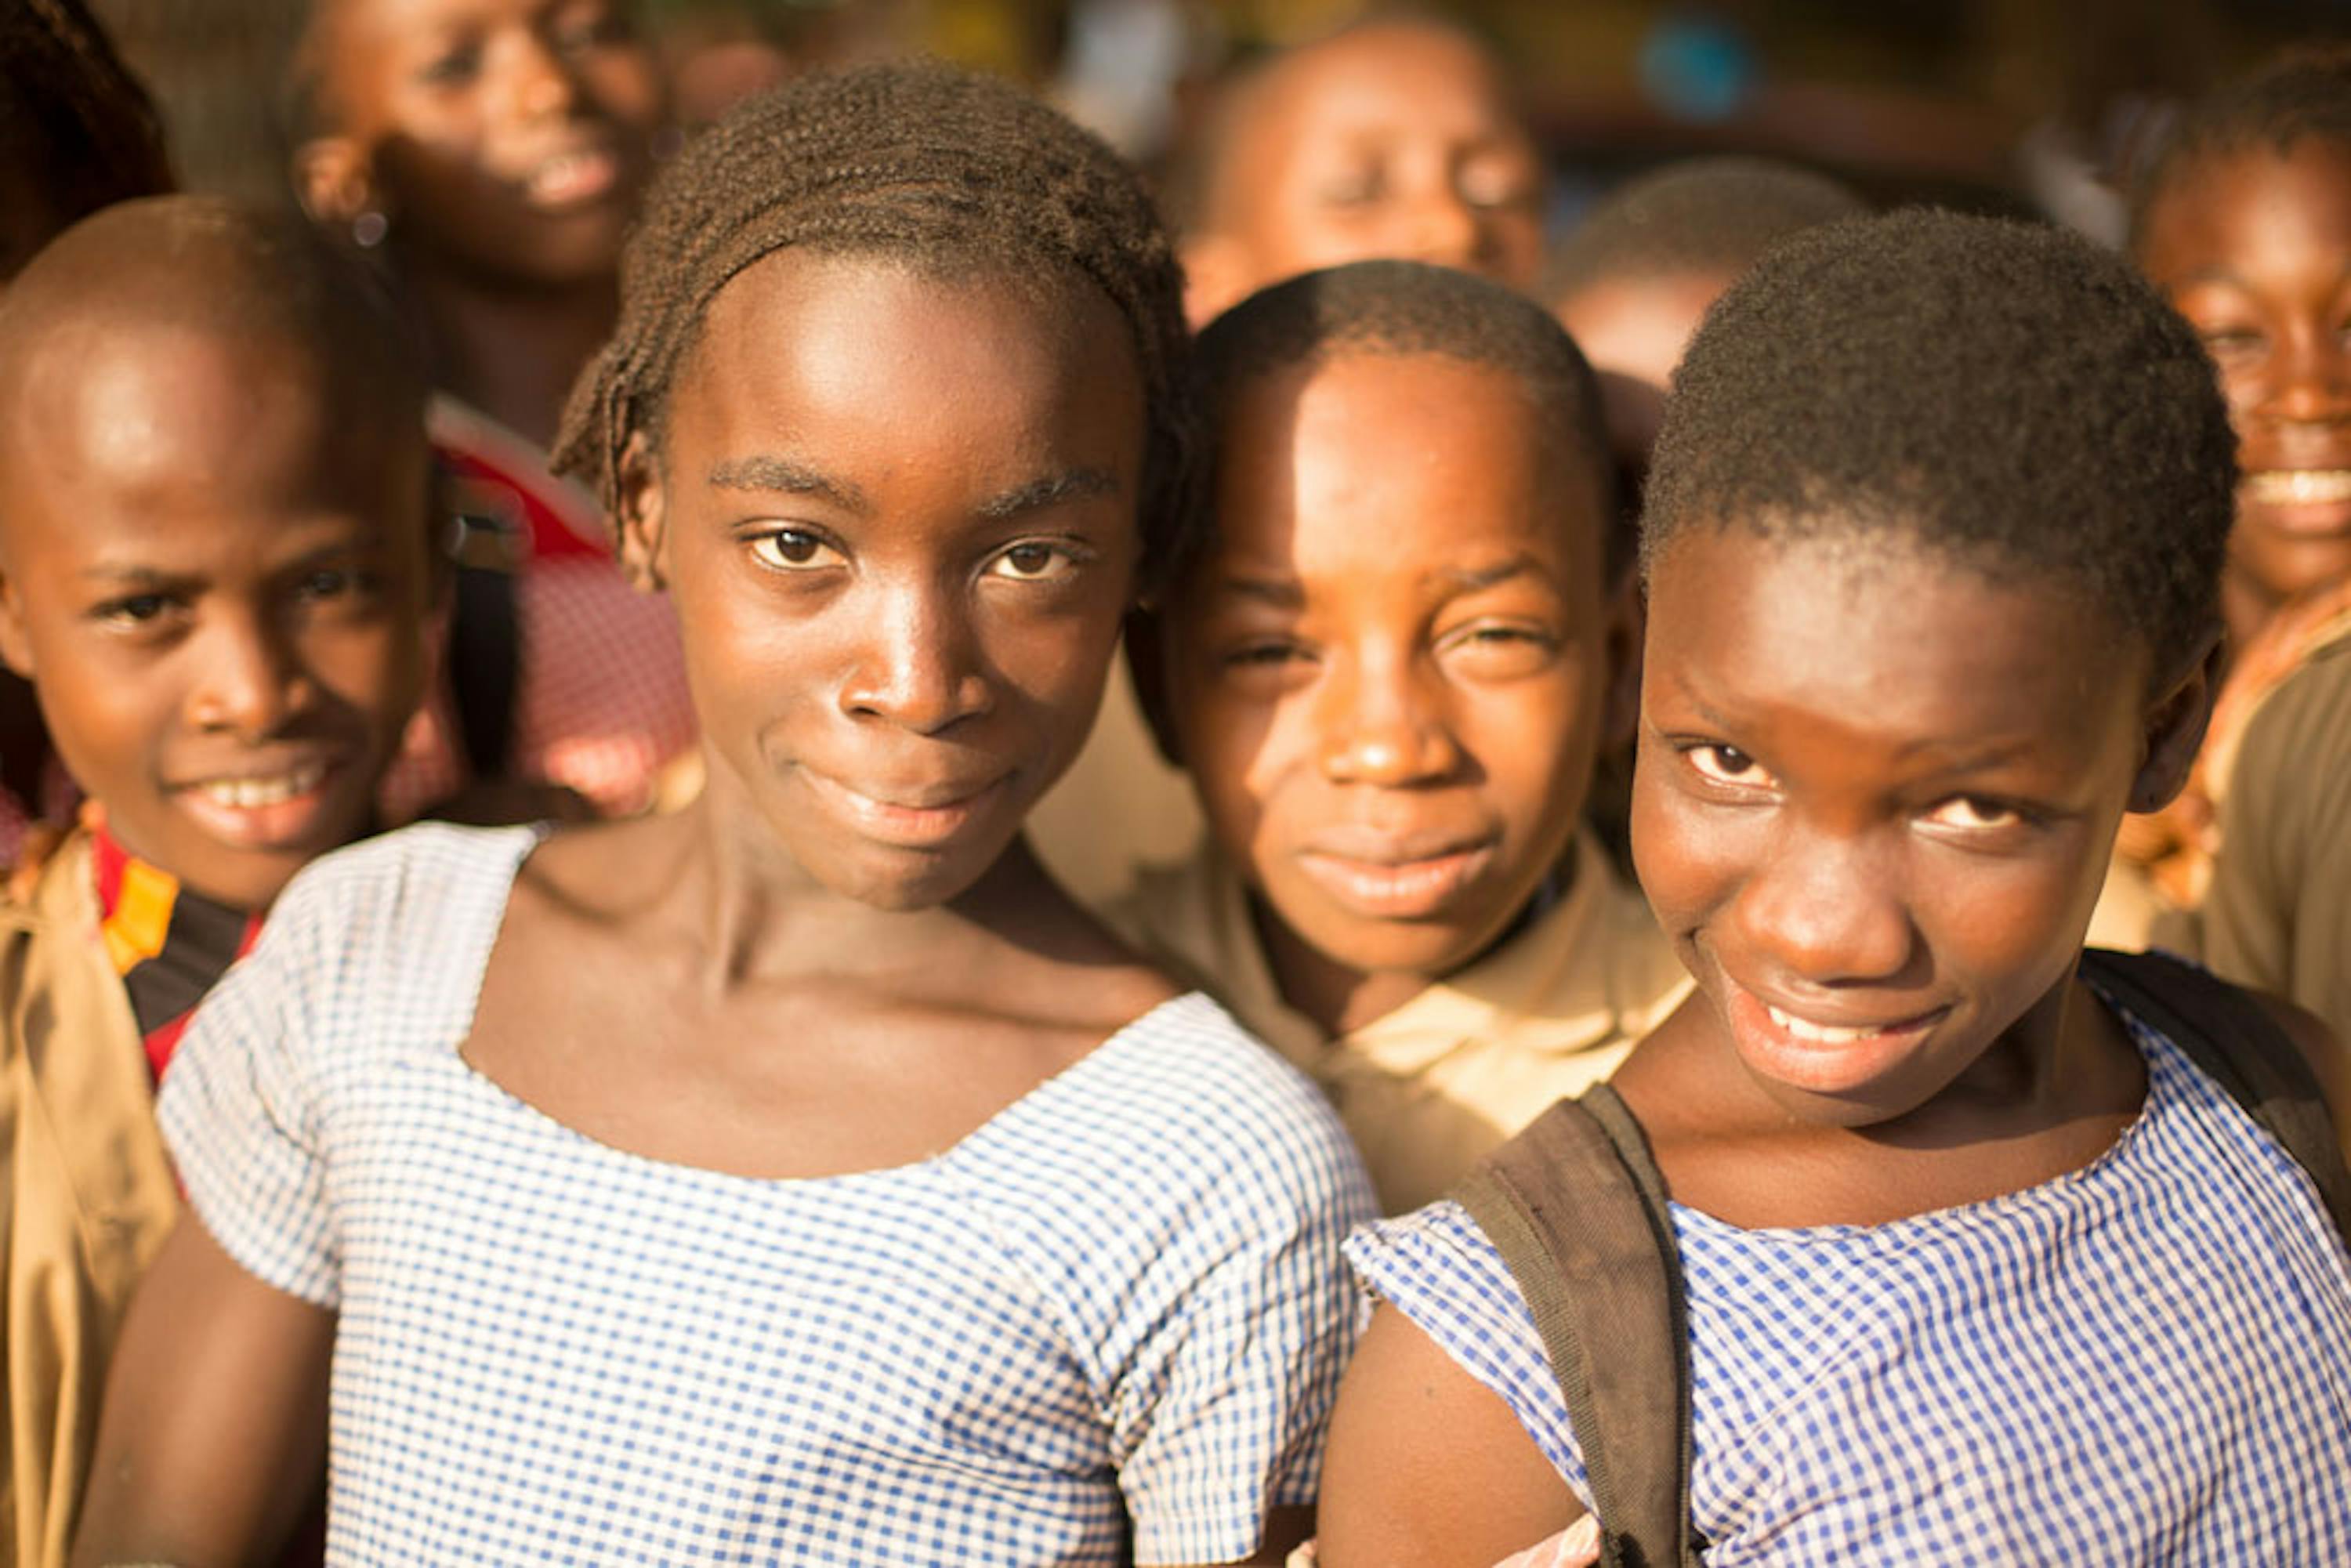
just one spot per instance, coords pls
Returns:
(484, 666)
(1576, 1208)
(2242, 1048)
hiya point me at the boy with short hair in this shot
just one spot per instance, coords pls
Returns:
(1967, 1248)
(1387, 672)
(217, 568)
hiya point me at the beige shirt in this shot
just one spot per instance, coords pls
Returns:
(1431, 1088)
(88, 1196)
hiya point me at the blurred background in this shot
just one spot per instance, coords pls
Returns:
(1987, 104)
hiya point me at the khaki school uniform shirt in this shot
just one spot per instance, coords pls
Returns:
(1433, 1087)
(86, 1195)
(2278, 916)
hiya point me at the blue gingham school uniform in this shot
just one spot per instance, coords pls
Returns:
(1120, 1299)
(2147, 1361)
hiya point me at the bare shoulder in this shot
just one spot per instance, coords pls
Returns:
(1426, 1466)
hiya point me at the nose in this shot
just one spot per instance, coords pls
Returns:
(2313, 384)
(918, 663)
(542, 83)
(1827, 910)
(249, 682)
(1382, 725)
(1444, 227)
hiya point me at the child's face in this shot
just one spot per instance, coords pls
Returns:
(1875, 800)
(219, 583)
(2255, 251)
(898, 517)
(1386, 675)
(510, 137)
(1387, 142)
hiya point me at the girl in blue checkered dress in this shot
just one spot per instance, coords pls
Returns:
(801, 1178)
(1981, 1269)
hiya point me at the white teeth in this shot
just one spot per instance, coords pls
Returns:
(1824, 1034)
(249, 794)
(2300, 486)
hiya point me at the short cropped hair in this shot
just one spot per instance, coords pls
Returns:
(2304, 95)
(938, 169)
(1406, 307)
(2010, 394)
(1702, 215)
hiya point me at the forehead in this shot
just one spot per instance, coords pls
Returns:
(2243, 209)
(1376, 83)
(137, 427)
(1892, 642)
(1364, 460)
(805, 345)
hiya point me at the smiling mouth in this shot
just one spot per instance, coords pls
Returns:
(262, 811)
(2289, 490)
(1397, 890)
(572, 179)
(1821, 1057)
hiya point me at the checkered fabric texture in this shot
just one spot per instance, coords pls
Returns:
(1117, 1305)
(2145, 1360)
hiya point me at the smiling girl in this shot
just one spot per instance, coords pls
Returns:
(1980, 1266)
(802, 1177)
(492, 153)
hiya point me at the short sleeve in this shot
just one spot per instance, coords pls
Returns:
(240, 1110)
(2246, 923)
(1438, 1268)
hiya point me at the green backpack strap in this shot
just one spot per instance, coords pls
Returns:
(1576, 1208)
(2241, 1046)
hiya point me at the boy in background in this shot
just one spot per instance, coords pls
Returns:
(1388, 671)
(217, 568)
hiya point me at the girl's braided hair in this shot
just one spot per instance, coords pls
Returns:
(918, 164)
(72, 119)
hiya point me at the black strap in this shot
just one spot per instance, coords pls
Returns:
(485, 667)
(1576, 1208)
(2242, 1047)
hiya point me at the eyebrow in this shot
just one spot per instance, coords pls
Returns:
(1282, 592)
(1049, 490)
(1471, 580)
(781, 476)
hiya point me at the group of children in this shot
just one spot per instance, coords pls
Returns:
(802, 1175)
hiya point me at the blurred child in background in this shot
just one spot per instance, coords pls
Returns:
(217, 565)
(492, 155)
(1387, 672)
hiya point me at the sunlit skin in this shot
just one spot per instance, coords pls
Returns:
(1388, 678)
(1396, 140)
(2255, 250)
(218, 575)
(507, 143)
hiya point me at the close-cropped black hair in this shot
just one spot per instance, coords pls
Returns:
(1710, 216)
(75, 126)
(1408, 307)
(2303, 95)
(920, 164)
(2008, 395)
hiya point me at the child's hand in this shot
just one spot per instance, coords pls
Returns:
(1577, 1546)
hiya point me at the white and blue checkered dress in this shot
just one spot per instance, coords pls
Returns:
(1118, 1305)
(2148, 1361)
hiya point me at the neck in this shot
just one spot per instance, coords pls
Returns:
(2246, 607)
(511, 351)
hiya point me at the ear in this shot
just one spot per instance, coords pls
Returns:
(15, 647)
(334, 180)
(642, 516)
(1147, 670)
(2174, 729)
(1627, 612)
(1216, 276)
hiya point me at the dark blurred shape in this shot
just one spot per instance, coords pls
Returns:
(77, 132)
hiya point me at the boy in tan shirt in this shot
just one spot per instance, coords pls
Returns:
(1388, 670)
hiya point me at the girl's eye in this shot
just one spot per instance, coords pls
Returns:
(1500, 648)
(793, 550)
(1973, 815)
(1355, 188)
(1033, 562)
(2222, 341)
(1495, 186)
(1728, 765)
(1261, 656)
(454, 68)
(593, 27)
(327, 584)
